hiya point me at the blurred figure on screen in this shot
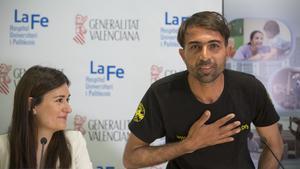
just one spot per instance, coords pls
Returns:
(231, 47)
(204, 112)
(254, 49)
(41, 107)
(279, 46)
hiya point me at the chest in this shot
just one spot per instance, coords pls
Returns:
(180, 113)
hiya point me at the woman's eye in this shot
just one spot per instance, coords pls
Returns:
(60, 100)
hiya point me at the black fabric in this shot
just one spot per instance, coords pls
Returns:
(171, 109)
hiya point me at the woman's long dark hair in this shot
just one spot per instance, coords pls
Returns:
(35, 83)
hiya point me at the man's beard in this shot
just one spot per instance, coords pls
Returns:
(202, 76)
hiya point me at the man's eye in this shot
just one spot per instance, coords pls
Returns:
(68, 100)
(214, 46)
(195, 47)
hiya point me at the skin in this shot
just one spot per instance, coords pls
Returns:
(51, 114)
(205, 55)
(273, 139)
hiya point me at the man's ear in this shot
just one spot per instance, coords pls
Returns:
(182, 54)
(228, 50)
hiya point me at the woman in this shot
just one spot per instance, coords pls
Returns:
(254, 49)
(41, 107)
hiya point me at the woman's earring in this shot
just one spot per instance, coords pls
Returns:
(34, 112)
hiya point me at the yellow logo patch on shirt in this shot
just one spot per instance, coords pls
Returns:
(180, 137)
(139, 114)
(245, 127)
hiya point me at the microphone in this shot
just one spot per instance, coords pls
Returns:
(43, 142)
(278, 161)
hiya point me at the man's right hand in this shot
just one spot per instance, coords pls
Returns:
(140, 154)
(202, 135)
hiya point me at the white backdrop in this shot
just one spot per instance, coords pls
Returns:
(111, 51)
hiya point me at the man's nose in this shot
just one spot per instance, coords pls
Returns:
(204, 53)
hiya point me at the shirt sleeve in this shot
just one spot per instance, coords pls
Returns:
(265, 112)
(147, 123)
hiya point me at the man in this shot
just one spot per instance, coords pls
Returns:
(204, 112)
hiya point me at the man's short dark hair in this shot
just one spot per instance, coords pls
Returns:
(206, 19)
